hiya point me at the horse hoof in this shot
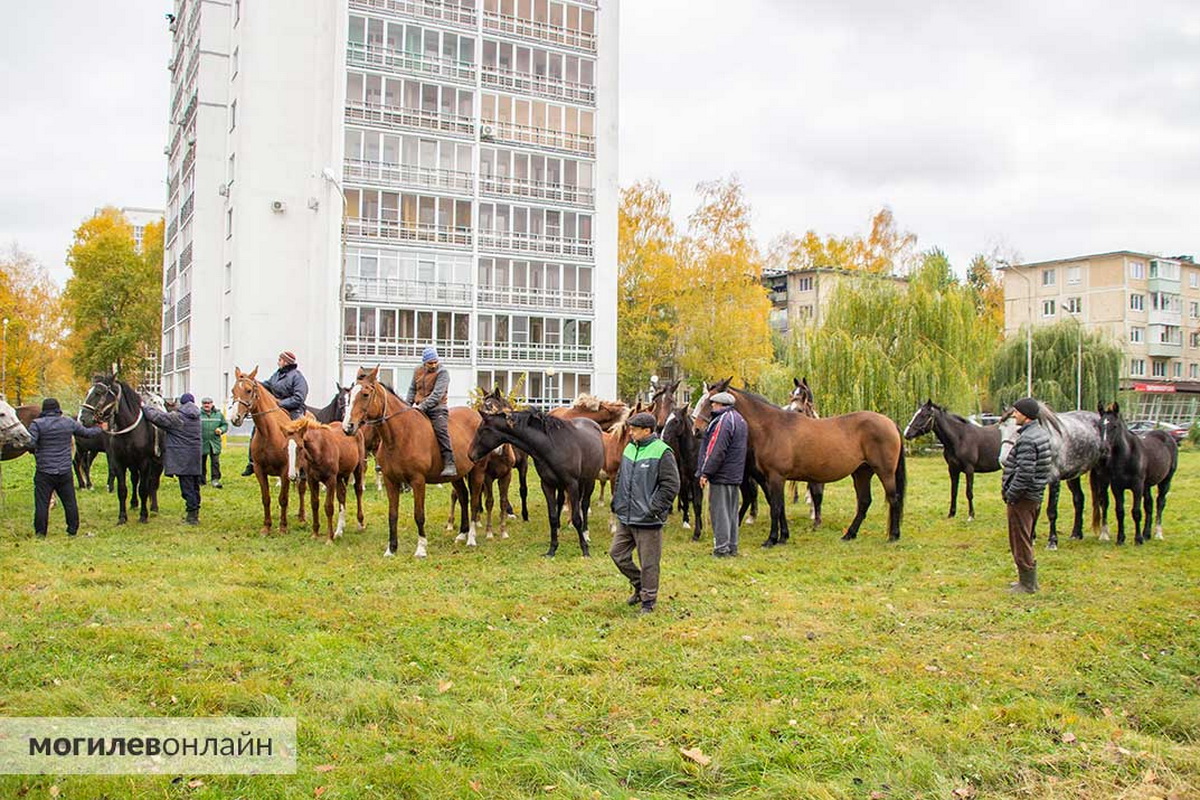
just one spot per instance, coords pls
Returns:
(511, 516)
(549, 554)
(849, 537)
(749, 520)
(490, 535)
(1052, 546)
(769, 543)
(504, 535)
(893, 538)
(687, 525)
(462, 537)
(970, 519)
(696, 537)
(388, 553)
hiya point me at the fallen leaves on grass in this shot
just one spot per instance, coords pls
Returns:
(324, 767)
(445, 686)
(1068, 738)
(696, 754)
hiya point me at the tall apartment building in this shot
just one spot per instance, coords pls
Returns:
(1148, 304)
(460, 154)
(801, 297)
(139, 218)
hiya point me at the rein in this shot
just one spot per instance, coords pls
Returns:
(386, 416)
(118, 394)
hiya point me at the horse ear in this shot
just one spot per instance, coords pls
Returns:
(237, 373)
(253, 373)
(374, 374)
(796, 382)
(1116, 408)
(725, 383)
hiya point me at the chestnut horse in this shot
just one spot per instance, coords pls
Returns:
(328, 457)
(791, 446)
(604, 413)
(268, 446)
(408, 453)
(662, 404)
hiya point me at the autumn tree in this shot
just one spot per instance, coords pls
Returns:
(884, 250)
(989, 292)
(723, 307)
(114, 294)
(33, 352)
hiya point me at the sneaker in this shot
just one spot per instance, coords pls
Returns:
(722, 554)
(635, 598)
(248, 471)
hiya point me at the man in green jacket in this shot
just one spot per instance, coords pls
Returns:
(212, 426)
(646, 485)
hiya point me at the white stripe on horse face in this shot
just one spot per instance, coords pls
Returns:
(355, 391)
(908, 427)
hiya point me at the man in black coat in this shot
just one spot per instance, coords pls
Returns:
(50, 442)
(290, 388)
(182, 456)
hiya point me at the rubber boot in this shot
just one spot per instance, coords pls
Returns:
(449, 470)
(1027, 583)
(636, 597)
(193, 517)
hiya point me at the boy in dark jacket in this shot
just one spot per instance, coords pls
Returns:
(1026, 473)
(721, 466)
(647, 483)
(50, 442)
(182, 450)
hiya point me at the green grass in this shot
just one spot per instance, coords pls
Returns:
(819, 669)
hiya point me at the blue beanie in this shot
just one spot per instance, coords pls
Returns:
(187, 397)
(429, 354)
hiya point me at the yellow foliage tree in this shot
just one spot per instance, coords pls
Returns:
(885, 250)
(33, 353)
(989, 293)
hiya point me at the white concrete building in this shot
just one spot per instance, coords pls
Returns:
(472, 146)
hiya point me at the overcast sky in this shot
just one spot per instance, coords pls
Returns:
(1046, 128)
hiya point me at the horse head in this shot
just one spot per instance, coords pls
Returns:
(12, 431)
(801, 399)
(1112, 426)
(243, 395)
(494, 402)
(101, 401)
(703, 413)
(367, 403)
(495, 429)
(1009, 430)
(922, 421)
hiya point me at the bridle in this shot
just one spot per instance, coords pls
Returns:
(371, 390)
(15, 423)
(253, 391)
(101, 412)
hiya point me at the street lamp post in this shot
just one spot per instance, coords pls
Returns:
(1028, 331)
(329, 175)
(4, 362)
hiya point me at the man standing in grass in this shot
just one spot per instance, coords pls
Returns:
(1026, 473)
(50, 442)
(213, 426)
(182, 450)
(647, 483)
(722, 464)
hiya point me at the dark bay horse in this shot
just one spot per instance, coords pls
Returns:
(335, 409)
(1134, 464)
(567, 454)
(131, 441)
(408, 453)
(1075, 449)
(268, 446)
(790, 446)
(680, 435)
(967, 448)
(662, 403)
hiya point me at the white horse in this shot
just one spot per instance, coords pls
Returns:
(12, 431)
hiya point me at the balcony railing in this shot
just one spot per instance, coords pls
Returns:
(403, 348)
(185, 210)
(189, 158)
(539, 31)
(554, 353)
(379, 57)
(1163, 317)
(172, 229)
(168, 317)
(168, 362)
(189, 112)
(397, 290)
(185, 258)
(183, 309)
(378, 173)
(171, 273)
(395, 116)
(393, 230)
(509, 186)
(541, 85)
(540, 137)
(510, 242)
(1158, 349)
(520, 296)
(183, 357)
(440, 10)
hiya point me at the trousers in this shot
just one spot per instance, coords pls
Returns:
(45, 485)
(648, 543)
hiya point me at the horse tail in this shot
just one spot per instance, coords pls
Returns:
(901, 481)
(1094, 485)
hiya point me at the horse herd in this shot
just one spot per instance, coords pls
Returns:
(575, 448)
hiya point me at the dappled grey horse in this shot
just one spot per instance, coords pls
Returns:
(1075, 449)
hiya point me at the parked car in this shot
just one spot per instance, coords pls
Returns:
(1144, 426)
(984, 419)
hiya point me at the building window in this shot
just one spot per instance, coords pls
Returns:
(232, 164)
(233, 64)
(805, 284)
(1194, 339)
(1137, 302)
(1137, 270)
(228, 276)
(1136, 335)
(1048, 277)
(1194, 278)
(1158, 369)
(1074, 275)
(1194, 309)
(1047, 307)
(237, 11)
(1194, 371)
(1074, 305)
(1137, 366)
(233, 115)
(1177, 369)
(226, 332)
(228, 222)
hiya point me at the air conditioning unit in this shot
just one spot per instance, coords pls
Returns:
(191, 141)
(174, 26)
(171, 65)
(278, 206)
(487, 132)
(223, 190)
(349, 292)
(167, 150)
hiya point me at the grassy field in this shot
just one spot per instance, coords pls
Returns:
(819, 669)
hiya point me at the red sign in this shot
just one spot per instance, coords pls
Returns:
(1163, 388)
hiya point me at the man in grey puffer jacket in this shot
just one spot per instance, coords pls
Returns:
(50, 442)
(182, 452)
(1026, 473)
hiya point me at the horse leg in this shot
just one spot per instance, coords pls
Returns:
(795, 492)
(1119, 512)
(418, 493)
(817, 492)
(315, 499)
(1137, 495)
(578, 496)
(1052, 492)
(450, 514)
(954, 473)
(359, 478)
(284, 488)
(697, 510)
(749, 495)
(1163, 488)
(467, 498)
(1147, 511)
(1076, 487)
(341, 483)
(301, 486)
(143, 491)
(862, 492)
(489, 501)
(264, 488)
(122, 495)
(777, 509)
(553, 508)
(505, 484)
(523, 487)
(393, 493)
(970, 486)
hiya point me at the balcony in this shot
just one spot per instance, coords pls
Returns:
(539, 85)
(185, 258)
(507, 186)
(1161, 317)
(439, 10)
(527, 297)
(1157, 349)
(541, 243)
(395, 290)
(168, 362)
(171, 273)
(382, 174)
(183, 309)
(539, 31)
(539, 137)
(405, 349)
(387, 59)
(189, 158)
(535, 352)
(416, 119)
(185, 210)
(183, 357)
(172, 229)
(189, 113)
(396, 231)
(168, 318)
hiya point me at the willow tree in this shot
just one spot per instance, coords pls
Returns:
(1057, 366)
(885, 346)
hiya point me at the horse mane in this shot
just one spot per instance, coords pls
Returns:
(956, 417)
(589, 402)
(541, 419)
(131, 401)
(303, 424)
(1046, 413)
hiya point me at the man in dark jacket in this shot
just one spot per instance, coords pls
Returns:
(50, 442)
(721, 466)
(1026, 473)
(182, 450)
(427, 393)
(647, 483)
(288, 386)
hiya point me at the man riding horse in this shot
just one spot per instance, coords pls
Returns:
(289, 388)
(427, 393)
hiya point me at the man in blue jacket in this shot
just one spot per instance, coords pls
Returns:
(289, 387)
(647, 483)
(182, 450)
(721, 466)
(50, 442)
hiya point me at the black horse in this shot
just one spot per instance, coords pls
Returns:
(967, 448)
(86, 450)
(1134, 464)
(496, 403)
(567, 454)
(335, 409)
(131, 441)
(679, 435)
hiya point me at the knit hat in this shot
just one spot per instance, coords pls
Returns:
(724, 398)
(429, 354)
(187, 397)
(50, 404)
(287, 357)
(1028, 406)
(643, 420)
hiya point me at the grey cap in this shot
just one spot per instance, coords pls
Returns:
(724, 398)
(643, 420)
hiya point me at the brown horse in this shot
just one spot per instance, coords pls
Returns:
(790, 446)
(328, 457)
(268, 446)
(604, 413)
(662, 403)
(802, 401)
(497, 472)
(408, 453)
(615, 439)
